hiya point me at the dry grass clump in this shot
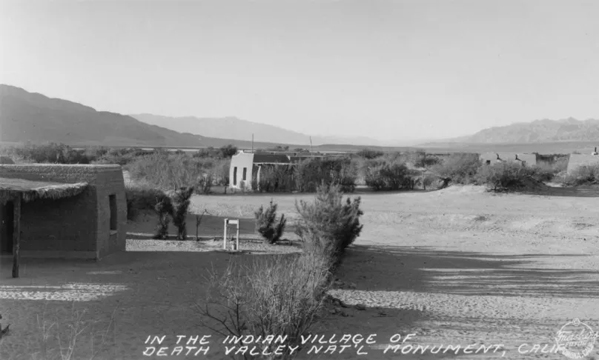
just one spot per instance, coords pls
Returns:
(583, 175)
(66, 336)
(275, 295)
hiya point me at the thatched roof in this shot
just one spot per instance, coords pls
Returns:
(31, 190)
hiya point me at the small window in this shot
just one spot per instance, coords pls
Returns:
(245, 173)
(235, 175)
(113, 217)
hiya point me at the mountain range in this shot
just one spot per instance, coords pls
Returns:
(35, 118)
(538, 131)
(238, 129)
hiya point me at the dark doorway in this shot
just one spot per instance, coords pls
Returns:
(7, 216)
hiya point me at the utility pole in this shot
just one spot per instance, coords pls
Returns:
(311, 145)
(252, 143)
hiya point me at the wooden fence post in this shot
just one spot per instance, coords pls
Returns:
(16, 236)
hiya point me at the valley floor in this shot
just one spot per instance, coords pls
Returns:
(457, 266)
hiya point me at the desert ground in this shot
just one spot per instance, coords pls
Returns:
(458, 266)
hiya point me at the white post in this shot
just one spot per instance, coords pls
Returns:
(225, 235)
(237, 239)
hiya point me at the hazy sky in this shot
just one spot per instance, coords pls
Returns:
(383, 69)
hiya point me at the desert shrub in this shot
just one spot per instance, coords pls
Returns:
(312, 172)
(278, 295)
(267, 225)
(228, 151)
(204, 184)
(419, 159)
(121, 156)
(169, 171)
(384, 176)
(328, 219)
(50, 153)
(548, 170)
(461, 168)
(369, 154)
(140, 199)
(180, 204)
(164, 210)
(274, 178)
(505, 176)
(583, 175)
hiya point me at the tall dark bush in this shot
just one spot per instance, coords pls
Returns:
(267, 224)
(164, 210)
(330, 219)
(141, 198)
(385, 176)
(180, 206)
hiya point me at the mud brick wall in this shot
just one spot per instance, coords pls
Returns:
(111, 183)
(67, 224)
(578, 160)
(75, 224)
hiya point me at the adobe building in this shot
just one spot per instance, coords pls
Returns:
(578, 160)
(62, 211)
(490, 158)
(246, 166)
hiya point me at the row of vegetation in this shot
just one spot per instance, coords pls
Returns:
(377, 170)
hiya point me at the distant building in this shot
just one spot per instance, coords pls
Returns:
(246, 166)
(490, 158)
(62, 211)
(578, 160)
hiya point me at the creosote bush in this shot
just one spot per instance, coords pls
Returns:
(329, 221)
(267, 224)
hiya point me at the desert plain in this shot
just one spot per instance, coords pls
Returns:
(458, 266)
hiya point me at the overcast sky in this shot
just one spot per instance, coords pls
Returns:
(383, 69)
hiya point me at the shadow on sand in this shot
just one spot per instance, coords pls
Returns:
(425, 269)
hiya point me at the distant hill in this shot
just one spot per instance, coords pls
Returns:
(539, 131)
(35, 118)
(238, 129)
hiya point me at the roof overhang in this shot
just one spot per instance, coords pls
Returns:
(32, 190)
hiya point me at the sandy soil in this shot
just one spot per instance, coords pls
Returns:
(455, 267)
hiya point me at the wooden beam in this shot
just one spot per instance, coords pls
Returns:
(16, 235)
